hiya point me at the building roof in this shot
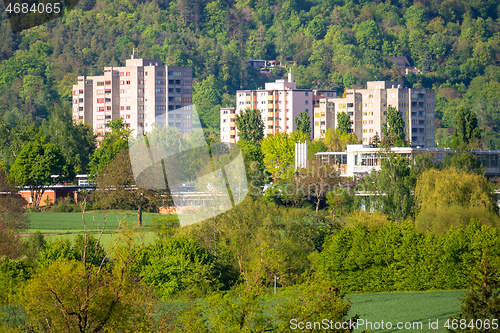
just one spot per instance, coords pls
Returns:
(400, 61)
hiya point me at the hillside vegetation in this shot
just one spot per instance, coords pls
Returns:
(334, 44)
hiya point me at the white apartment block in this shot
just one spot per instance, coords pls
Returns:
(279, 102)
(367, 108)
(143, 92)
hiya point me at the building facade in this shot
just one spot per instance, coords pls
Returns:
(367, 107)
(362, 159)
(144, 93)
(279, 102)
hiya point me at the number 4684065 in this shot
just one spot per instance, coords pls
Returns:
(25, 8)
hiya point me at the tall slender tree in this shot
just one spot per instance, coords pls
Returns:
(303, 123)
(394, 129)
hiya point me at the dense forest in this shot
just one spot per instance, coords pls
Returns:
(333, 44)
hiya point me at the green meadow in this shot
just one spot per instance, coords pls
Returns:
(69, 225)
(406, 307)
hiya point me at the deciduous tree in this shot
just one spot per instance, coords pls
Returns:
(35, 165)
(394, 129)
(303, 123)
(344, 122)
(250, 126)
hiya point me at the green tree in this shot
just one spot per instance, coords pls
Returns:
(394, 184)
(303, 123)
(77, 142)
(116, 188)
(466, 129)
(394, 129)
(279, 153)
(112, 144)
(35, 165)
(481, 304)
(177, 266)
(250, 126)
(344, 122)
(450, 197)
(12, 217)
(316, 181)
(252, 309)
(73, 296)
(337, 140)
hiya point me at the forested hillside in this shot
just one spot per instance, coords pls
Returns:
(335, 44)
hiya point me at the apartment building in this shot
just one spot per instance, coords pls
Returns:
(367, 108)
(144, 93)
(280, 102)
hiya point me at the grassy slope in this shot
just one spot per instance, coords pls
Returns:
(407, 307)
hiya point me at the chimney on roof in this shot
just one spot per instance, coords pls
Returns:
(290, 76)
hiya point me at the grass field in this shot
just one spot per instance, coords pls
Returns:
(69, 225)
(406, 307)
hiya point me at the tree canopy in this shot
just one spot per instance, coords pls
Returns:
(35, 165)
(393, 129)
(344, 122)
(250, 125)
(303, 123)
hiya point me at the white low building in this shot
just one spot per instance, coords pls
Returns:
(362, 159)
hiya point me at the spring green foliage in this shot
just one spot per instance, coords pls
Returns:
(344, 122)
(482, 301)
(303, 123)
(451, 197)
(394, 129)
(397, 257)
(466, 131)
(36, 163)
(394, 184)
(112, 144)
(177, 266)
(279, 153)
(333, 44)
(252, 309)
(250, 126)
(337, 140)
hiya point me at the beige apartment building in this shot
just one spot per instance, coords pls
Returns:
(144, 93)
(367, 107)
(280, 102)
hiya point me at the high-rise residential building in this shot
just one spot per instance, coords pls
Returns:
(280, 102)
(144, 93)
(367, 108)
